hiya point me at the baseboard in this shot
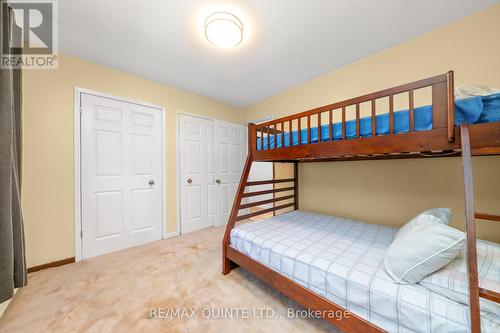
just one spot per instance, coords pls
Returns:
(51, 264)
(72, 259)
(171, 234)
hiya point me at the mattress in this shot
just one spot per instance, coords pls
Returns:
(341, 259)
(473, 110)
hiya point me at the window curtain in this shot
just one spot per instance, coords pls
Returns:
(12, 256)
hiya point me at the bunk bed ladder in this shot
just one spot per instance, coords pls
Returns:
(226, 263)
(475, 292)
(291, 200)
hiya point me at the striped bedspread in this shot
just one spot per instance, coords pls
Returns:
(341, 259)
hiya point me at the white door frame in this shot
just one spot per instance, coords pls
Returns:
(77, 162)
(178, 163)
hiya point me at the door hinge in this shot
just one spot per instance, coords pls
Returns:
(81, 233)
(81, 111)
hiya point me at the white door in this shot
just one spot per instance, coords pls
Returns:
(121, 174)
(229, 157)
(196, 173)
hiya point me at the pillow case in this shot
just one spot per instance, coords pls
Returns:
(471, 90)
(422, 246)
(440, 215)
(452, 280)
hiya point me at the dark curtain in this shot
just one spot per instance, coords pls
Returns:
(12, 255)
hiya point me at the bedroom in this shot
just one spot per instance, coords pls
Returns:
(162, 70)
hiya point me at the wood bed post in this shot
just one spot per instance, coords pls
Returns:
(252, 140)
(450, 106)
(470, 232)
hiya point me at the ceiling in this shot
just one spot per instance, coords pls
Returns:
(285, 43)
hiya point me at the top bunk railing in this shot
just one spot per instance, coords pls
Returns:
(270, 140)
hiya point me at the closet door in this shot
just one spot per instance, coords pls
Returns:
(229, 157)
(196, 173)
(121, 174)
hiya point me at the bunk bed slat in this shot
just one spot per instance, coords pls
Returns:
(275, 138)
(274, 135)
(290, 133)
(319, 127)
(357, 121)
(440, 105)
(374, 118)
(343, 123)
(411, 110)
(309, 129)
(268, 137)
(450, 106)
(330, 124)
(282, 134)
(299, 132)
(258, 132)
(391, 113)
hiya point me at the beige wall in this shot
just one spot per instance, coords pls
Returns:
(391, 192)
(48, 145)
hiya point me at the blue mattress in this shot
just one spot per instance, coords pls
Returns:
(473, 110)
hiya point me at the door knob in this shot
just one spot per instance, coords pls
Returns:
(217, 181)
(189, 180)
(151, 182)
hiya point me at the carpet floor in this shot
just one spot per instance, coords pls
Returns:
(134, 290)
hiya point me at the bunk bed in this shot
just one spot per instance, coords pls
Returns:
(437, 130)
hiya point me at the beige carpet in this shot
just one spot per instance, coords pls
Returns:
(115, 293)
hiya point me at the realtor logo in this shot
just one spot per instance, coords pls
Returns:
(33, 40)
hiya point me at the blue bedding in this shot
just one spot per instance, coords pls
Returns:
(473, 110)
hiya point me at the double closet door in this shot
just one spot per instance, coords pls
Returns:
(211, 159)
(121, 174)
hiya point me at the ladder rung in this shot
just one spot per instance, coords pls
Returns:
(489, 295)
(271, 181)
(487, 217)
(264, 202)
(260, 212)
(254, 194)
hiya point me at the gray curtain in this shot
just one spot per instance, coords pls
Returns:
(12, 256)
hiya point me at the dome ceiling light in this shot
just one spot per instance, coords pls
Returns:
(223, 30)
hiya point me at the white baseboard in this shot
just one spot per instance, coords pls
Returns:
(171, 234)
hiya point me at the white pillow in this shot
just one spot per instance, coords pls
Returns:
(471, 90)
(452, 280)
(440, 215)
(422, 246)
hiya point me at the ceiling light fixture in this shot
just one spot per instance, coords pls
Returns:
(223, 30)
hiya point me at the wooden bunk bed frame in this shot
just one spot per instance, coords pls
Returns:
(444, 139)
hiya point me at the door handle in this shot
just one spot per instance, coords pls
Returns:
(189, 180)
(151, 182)
(217, 181)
